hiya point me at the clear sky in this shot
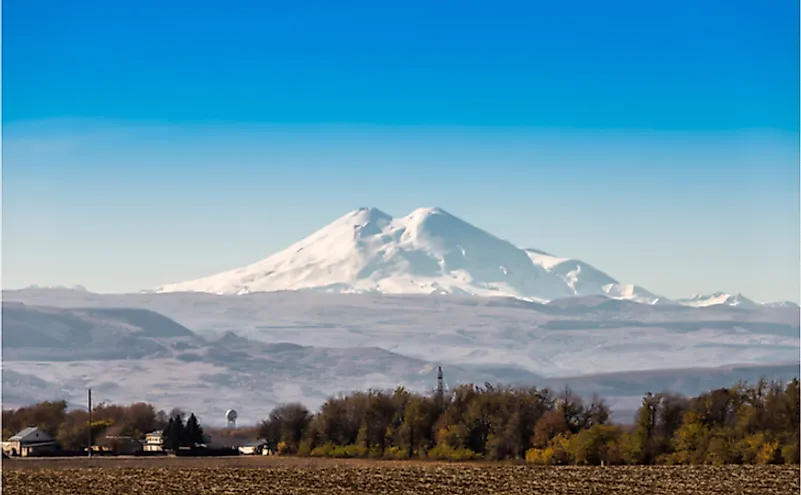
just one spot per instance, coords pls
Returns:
(149, 142)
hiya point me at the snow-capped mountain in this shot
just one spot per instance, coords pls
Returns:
(724, 298)
(703, 300)
(584, 279)
(428, 251)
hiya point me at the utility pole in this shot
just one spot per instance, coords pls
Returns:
(90, 423)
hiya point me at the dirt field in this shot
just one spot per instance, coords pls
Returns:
(236, 475)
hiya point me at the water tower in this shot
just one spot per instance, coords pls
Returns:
(230, 418)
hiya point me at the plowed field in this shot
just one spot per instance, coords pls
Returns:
(238, 475)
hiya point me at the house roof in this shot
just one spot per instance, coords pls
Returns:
(31, 434)
(22, 434)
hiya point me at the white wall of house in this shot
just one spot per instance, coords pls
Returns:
(153, 443)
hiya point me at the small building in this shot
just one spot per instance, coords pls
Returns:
(255, 447)
(154, 441)
(29, 442)
(250, 448)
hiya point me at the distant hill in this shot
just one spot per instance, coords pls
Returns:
(32, 333)
(252, 352)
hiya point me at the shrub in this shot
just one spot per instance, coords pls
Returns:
(444, 452)
(790, 453)
(673, 459)
(305, 448)
(396, 453)
(536, 456)
(325, 450)
(556, 453)
(750, 447)
(282, 448)
(351, 451)
(769, 453)
(339, 451)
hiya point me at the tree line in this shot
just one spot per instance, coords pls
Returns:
(756, 424)
(753, 424)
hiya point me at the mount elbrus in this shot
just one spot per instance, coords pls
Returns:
(428, 251)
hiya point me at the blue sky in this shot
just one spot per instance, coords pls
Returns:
(145, 143)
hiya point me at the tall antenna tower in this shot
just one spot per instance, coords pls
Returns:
(440, 385)
(89, 450)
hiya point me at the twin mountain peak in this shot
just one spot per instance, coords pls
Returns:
(428, 251)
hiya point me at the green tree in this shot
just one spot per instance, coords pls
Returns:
(174, 433)
(691, 440)
(193, 432)
(416, 432)
(286, 423)
(597, 445)
(657, 420)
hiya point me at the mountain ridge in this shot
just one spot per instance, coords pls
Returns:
(255, 351)
(428, 251)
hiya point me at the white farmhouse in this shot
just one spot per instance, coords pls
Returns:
(31, 441)
(154, 441)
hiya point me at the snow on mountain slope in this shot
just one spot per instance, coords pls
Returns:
(704, 300)
(628, 292)
(584, 279)
(426, 252)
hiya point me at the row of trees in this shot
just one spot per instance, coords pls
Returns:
(756, 423)
(70, 428)
(742, 424)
